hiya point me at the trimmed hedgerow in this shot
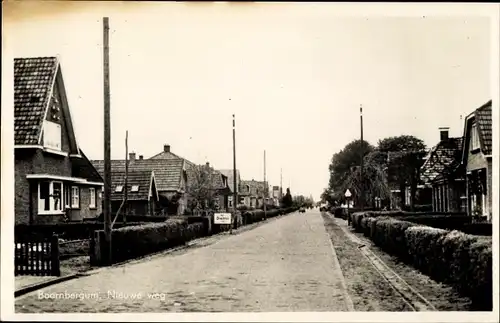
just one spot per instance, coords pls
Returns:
(136, 241)
(456, 258)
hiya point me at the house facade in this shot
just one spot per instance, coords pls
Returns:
(54, 180)
(444, 175)
(140, 188)
(229, 173)
(203, 177)
(477, 161)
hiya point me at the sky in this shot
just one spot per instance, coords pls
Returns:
(294, 75)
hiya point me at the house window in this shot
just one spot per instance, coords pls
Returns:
(75, 197)
(52, 135)
(230, 201)
(474, 138)
(135, 188)
(92, 197)
(119, 188)
(50, 197)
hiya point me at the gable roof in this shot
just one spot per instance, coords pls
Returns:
(484, 121)
(229, 173)
(143, 178)
(168, 173)
(171, 156)
(33, 82)
(483, 118)
(443, 160)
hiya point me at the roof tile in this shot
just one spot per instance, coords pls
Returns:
(33, 79)
(168, 172)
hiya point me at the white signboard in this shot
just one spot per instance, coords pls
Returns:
(222, 218)
(348, 193)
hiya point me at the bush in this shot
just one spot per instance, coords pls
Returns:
(136, 241)
(462, 260)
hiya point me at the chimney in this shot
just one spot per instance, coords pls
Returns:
(141, 157)
(208, 164)
(131, 156)
(444, 133)
(166, 148)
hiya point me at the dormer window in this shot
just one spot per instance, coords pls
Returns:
(135, 188)
(52, 135)
(474, 138)
(119, 188)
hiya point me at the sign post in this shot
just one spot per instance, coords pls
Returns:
(348, 197)
(222, 218)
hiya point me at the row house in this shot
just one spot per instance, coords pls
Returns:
(54, 180)
(442, 172)
(477, 161)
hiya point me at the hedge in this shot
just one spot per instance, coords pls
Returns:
(135, 241)
(453, 257)
(66, 231)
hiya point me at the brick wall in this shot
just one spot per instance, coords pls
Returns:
(23, 167)
(85, 211)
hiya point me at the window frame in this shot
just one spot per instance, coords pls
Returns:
(73, 204)
(48, 124)
(92, 195)
(134, 190)
(475, 144)
(118, 190)
(51, 201)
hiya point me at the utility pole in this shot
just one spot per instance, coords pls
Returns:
(265, 188)
(235, 192)
(362, 197)
(126, 178)
(107, 141)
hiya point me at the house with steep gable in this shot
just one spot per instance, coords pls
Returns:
(477, 161)
(54, 180)
(142, 193)
(443, 173)
(229, 173)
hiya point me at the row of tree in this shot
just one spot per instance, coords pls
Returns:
(394, 163)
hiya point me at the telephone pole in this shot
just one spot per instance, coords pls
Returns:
(235, 192)
(107, 141)
(265, 188)
(362, 197)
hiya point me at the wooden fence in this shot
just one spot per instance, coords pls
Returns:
(37, 255)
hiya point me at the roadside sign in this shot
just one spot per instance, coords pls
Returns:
(222, 218)
(347, 193)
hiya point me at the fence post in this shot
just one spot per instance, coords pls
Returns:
(54, 250)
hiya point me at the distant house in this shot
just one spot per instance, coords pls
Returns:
(215, 180)
(256, 191)
(443, 173)
(477, 160)
(170, 179)
(142, 193)
(54, 180)
(229, 173)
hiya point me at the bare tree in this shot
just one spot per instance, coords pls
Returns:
(201, 189)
